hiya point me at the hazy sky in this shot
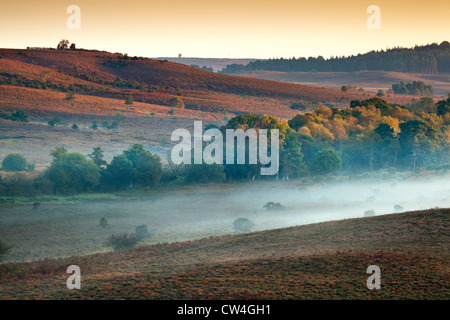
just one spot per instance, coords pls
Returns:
(232, 28)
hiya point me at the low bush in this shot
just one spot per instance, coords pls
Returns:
(18, 115)
(142, 231)
(103, 222)
(18, 185)
(243, 224)
(273, 206)
(122, 241)
(4, 249)
(176, 102)
(369, 213)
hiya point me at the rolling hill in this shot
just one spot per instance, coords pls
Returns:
(319, 261)
(155, 82)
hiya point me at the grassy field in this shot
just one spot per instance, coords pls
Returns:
(200, 90)
(368, 80)
(319, 261)
(36, 139)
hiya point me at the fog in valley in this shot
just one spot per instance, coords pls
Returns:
(57, 229)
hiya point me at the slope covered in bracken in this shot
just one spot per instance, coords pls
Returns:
(319, 261)
(150, 81)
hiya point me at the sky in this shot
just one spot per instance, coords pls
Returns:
(225, 29)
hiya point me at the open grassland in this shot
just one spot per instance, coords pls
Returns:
(368, 80)
(36, 139)
(159, 81)
(319, 261)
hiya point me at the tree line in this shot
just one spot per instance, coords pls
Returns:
(418, 88)
(430, 59)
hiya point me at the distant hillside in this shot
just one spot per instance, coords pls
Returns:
(367, 80)
(215, 63)
(429, 59)
(156, 82)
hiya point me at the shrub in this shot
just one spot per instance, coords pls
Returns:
(69, 96)
(19, 115)
(369, 213)
(299, 105)
(14, 162)
(177, 102)
(243, 224)
(75, 126)
(4, 249)
(18, 185)
(142, 231)
(103, 222)
(54, 121)
(122, 241)
(273, 206)
(129, 100)
(114, 125)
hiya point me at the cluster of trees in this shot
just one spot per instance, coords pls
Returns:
(350, 87)
(206, 68)
(418, 88)
(64, 45)
(431, 59)
(73, 172)
(18, 115)
(291, 157)
(373, 134)
(368, 135)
